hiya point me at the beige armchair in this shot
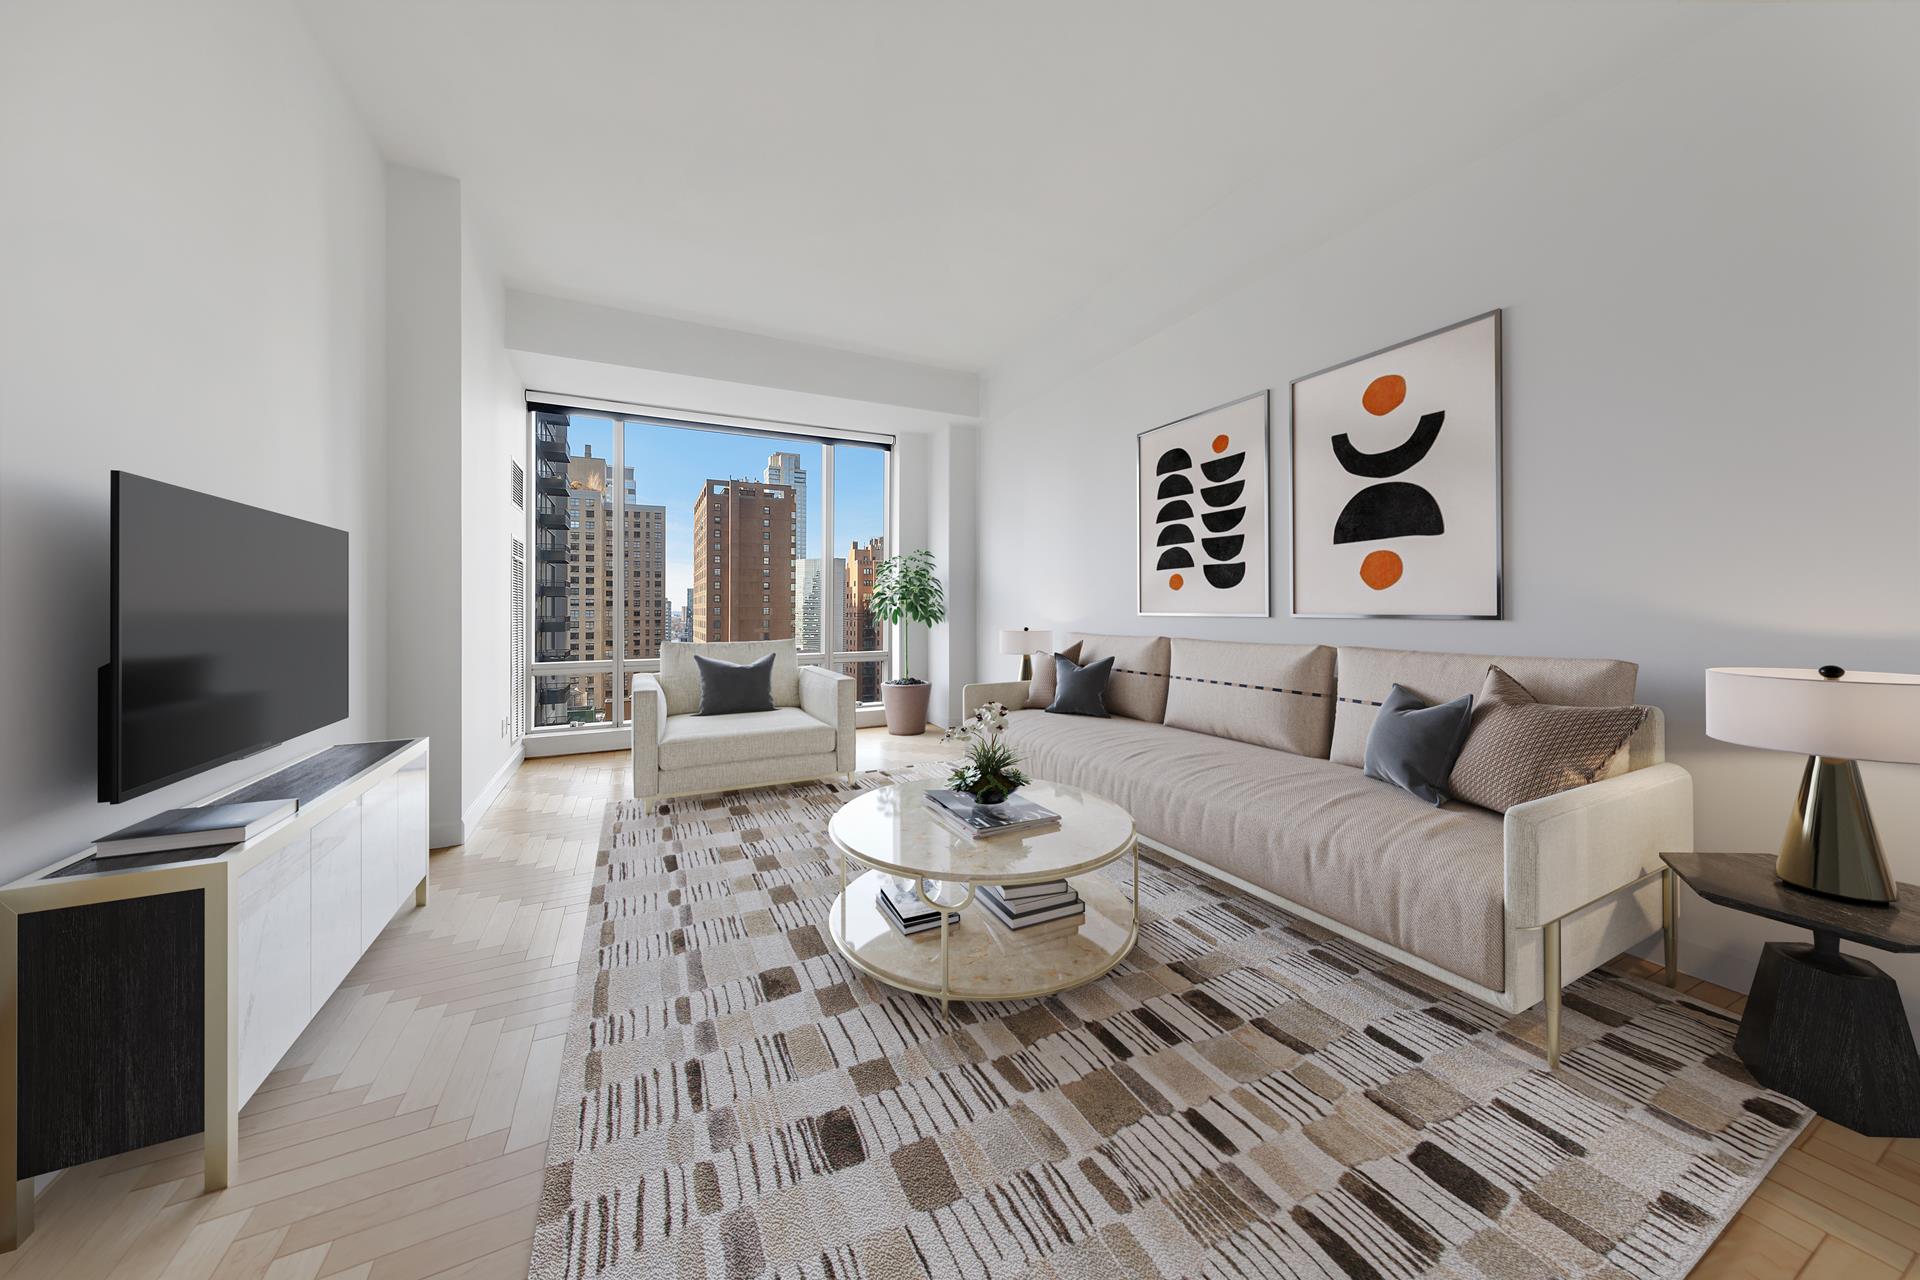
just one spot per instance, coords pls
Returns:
(678, 752)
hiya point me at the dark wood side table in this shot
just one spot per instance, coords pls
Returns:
(1826, 1028)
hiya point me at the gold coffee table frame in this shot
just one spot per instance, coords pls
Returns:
(889, 833)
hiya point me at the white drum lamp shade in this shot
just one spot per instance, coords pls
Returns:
(1026, 643)
(1837, 718)
(1021, 640)
(1857, 715)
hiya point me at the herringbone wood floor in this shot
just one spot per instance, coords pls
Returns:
(403, 1136)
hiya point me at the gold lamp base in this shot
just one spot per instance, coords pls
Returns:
(1830, 845)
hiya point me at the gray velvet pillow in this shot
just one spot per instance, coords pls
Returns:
(1413, 745)
(729, 688)
(1080, 691)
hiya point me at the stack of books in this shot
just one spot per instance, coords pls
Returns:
(958, 813)
(906, 912)
(1018, 906)
(199, 828)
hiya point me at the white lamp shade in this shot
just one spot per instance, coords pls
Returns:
(1861, 715)
(1025, 641)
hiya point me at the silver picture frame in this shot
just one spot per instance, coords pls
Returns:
(1499, 465)
(1265, 396)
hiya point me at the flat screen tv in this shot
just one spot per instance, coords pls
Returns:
(229, 634)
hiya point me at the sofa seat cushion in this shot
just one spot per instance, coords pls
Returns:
(691, 741)
(1428, 880)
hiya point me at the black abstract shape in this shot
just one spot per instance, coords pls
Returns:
(1225, 575)
(1390, 462)
(1172, 534)
(1174, 511)
(1220, 495)
(1174, 487)
(1223, 548)
(1392, 510)
(1172, 460)
(1175, 558)
(1222, 468)
(1221, 521)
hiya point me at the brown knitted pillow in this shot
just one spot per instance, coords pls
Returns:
(1519, 749)
(1040, 689)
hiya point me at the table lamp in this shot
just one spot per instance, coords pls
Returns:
(1026, 643)
(1838, 718)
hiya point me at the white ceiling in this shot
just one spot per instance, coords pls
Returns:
(939, 180)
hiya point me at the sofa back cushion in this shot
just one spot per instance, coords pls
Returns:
(1272, 695)
(1138, 689)
(680, 675)
(1366, 676)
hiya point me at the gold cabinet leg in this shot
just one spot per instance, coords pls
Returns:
(16, 1223)
(1670, 923)
(420, 893)
(1550, 988)
(222, 1097)
(16, 1215)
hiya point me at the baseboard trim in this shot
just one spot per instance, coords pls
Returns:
(494, 785)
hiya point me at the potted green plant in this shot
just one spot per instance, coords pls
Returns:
(991, 771)
(905, 591)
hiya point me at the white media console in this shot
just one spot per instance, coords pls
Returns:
(145, 998)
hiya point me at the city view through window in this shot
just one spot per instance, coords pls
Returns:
(645, 532)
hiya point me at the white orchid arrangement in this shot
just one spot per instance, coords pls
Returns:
(991, 771)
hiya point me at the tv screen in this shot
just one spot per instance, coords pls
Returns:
(229, 634)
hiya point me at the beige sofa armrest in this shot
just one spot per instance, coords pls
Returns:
(1568, 850)
(1011, 693)
(649, 726)
(828, 697)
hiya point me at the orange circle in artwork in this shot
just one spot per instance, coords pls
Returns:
(1384, 394)
(1176, 582)
(1381, 569)
(1219, 444)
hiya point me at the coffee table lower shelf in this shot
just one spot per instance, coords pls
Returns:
(983, 959)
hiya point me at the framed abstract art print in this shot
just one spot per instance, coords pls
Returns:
(1204, 513)
(1396, 480)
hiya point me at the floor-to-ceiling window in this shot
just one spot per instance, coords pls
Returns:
(647, 528)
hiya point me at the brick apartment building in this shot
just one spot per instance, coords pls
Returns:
(744, 537)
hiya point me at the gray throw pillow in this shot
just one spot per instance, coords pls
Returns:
(1413, 745)
(1080, 691)
(729, 688)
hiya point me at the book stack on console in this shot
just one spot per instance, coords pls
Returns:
(1014, 816)
(906, 912)
(204, 827)
(1019, 906)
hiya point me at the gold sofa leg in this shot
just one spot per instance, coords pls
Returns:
(1550, 988)
(1670, 923)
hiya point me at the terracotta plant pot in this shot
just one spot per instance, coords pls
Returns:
(906, 707)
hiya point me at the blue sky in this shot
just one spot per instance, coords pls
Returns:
(671, 463)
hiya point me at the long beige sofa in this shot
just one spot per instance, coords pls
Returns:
(1245, 760)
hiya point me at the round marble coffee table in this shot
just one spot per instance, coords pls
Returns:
(890, 831)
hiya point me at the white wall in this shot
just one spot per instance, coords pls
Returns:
(953, 515)
(493, 435)
(192, 246)
(1711, 278)
(543, 325)
(425, 478)
(458, 417)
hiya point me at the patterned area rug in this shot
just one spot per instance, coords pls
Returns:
(1244, 1096)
